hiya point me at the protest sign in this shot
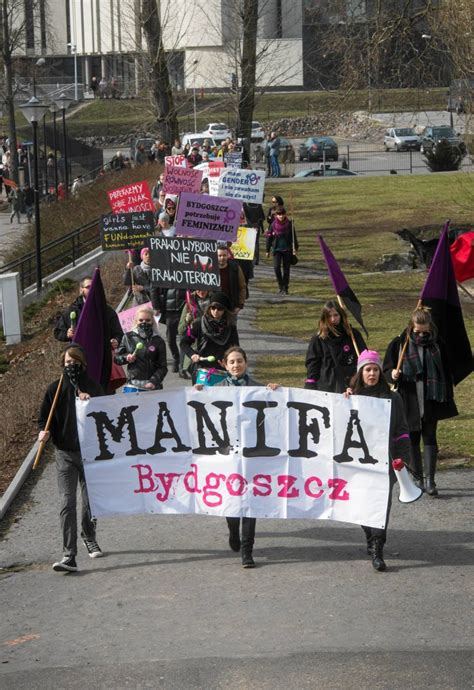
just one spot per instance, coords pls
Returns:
(132, 197)
(179, 179)
(126, 230)
(176, 160)
(127, 316)
(244, 245)
(247, 185)
(200, 215)
(234, 159)
(184, 262)
(238, 451)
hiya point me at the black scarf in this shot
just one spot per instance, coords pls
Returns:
(412, 367)
(217, 331)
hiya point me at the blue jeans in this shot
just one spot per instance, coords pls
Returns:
(275, 166)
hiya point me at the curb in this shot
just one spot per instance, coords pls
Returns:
(18, 480)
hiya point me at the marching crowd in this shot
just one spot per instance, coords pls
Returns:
(202, 334)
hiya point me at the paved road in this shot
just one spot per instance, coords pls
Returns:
(170, 607)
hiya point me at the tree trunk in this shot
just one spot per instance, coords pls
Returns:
(160, 86)
(8, 97)
(248, 73)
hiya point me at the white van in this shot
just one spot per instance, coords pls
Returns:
(197, 139)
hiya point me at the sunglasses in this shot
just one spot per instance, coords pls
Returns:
(217, 307)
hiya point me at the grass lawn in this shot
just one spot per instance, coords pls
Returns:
(357, 221)
(117, 117)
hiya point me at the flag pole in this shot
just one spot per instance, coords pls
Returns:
(48, 422)
(342, 305)
(131, 270)
(405, 344)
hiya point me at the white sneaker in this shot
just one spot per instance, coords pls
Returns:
(93, 548)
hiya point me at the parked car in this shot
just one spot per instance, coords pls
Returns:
(197, 139)
(147, 143)
(318, 149)
(218, 130)
(326, 171)
(401, 139)
(433, 135)
(258, 133)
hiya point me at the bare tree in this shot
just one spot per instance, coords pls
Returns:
(160, 86)
(248, 67)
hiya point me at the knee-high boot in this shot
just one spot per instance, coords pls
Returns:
(430, 456)
(416, 465)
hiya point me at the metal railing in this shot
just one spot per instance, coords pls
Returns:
(56, 254)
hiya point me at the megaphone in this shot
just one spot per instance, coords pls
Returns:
(409, 492)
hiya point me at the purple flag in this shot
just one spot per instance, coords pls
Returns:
(341, 286)
(440, 293)
(92, 332)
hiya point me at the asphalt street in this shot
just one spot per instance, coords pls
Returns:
(169, 605)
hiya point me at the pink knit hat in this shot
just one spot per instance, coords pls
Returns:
(369, 357)
(142, 251)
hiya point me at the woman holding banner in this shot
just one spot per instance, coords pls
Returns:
(144, 351)
(138, 278)
(208, 338)
(369, 380)
(420, 370)
(331, 359)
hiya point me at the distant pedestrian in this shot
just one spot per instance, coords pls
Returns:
(15, 199)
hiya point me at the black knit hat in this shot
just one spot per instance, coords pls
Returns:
(221, 299)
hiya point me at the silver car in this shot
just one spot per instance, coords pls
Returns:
(401, 139)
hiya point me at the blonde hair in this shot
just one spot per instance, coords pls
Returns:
(143, 310)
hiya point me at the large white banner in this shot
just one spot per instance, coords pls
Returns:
(235, 451)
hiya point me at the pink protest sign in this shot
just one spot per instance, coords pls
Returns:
(127, 316)
(176, 161)
(133, 197)
(178, 179)
(210, 217)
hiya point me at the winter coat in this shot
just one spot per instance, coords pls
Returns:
(433, 411)
(64, 423)
(283, 242)
(140, 277)
(150, 363)
(168, 301)
(205, 346)
(237, 287)
(63, 323)
(331, 362)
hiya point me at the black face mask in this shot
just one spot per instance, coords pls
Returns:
(73, 371)
(422, 338)
(145, 330)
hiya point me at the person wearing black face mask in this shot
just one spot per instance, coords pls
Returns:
(144, 351)
(63, 431)
(425, 384)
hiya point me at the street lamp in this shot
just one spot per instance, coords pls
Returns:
(73, 48)
(63, 102)
(54, 110)
(33, 111)
(195, 63)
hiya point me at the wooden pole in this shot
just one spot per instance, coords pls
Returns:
(131, 270)
(48, 422)
(405, 344)
(342, 305)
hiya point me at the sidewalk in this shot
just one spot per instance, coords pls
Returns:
(10, 232)
(170, 606)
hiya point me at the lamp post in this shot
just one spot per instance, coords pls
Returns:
(33, 111)
(63, 102)
(54, 110)
(73, 48)
(195, 63)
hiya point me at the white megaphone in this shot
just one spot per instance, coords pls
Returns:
(409, 492)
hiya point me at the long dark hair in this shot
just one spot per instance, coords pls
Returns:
(357, 383)
(324, 327)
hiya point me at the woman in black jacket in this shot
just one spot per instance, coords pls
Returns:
(331, 358)
(369, 380)
(282, 240)
(211, 335)
(425, 384)
(144, 351)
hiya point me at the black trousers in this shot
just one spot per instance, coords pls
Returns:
(248, 530)
(172, 323)
(281, 266)
(427, 433)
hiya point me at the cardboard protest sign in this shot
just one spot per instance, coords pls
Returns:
(179, 160)
(211, 171)
(132, 197)
(234, 159)
(126, 230)
(200, 215)
(179, 179)
(247, 185)
(244, 246)
(238, 451)
(182, 262)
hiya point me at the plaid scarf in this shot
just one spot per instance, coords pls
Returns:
(234, 381)
(412, 368)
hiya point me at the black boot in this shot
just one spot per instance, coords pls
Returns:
(247, 560)
(376, 549)
(416, 466)
(430, 456)
(234, 533)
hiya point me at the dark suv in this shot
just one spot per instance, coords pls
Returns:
(433, 135)
(318, 149)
